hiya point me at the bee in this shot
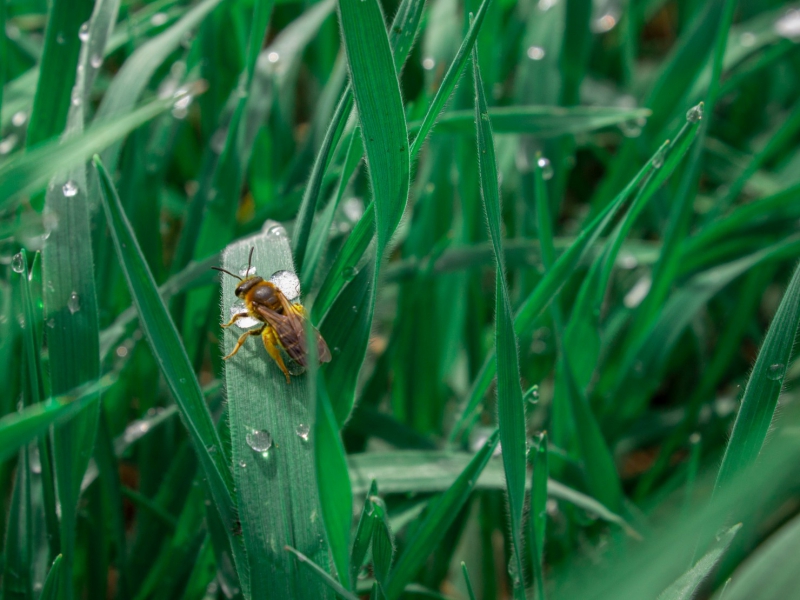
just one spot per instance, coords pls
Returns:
(283, 322)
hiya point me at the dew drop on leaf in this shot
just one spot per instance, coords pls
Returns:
(776, 372)
(70, 189)
(259, 440)
(17, 264)
(74, 302)
(547, 169)
(302, 431)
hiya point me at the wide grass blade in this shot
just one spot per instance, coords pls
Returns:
(440, 514)
(170, 354)
(333, 483)
(769, 574)
(273, 436)
(511, 407)
(687, 586)
(18, 429)
(760, 397)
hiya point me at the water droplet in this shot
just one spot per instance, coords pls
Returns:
(51, 323)
(630, 129)
(159, 19)
(695, 114)
(547, 169)
(181, 107)
(273, 57)
(747, 39)
(532, 395)
(776, 372)
(658, 159)
(83, 32)
(259, 440)
(276, 231)
(96, 61)
(349, 273)
(17, 264)
(302, 431)
(70, 189)
(75, 96)
(121, 352)
(8, 144)
(246, 271)
(428, 63)
(355, 308)
(484, 116)
(605, 23)
(244, 322)
(287, 282)
(19, 118)
(788, 25)
(242, 464)
(74, 302)
(535, 52)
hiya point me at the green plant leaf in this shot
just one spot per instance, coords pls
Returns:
(363, 537)
(333, 483)
(467, 582)
(760, 398)
(382, 542)
(438, 517)
(18, 547)
(273, 436)
(538, 515)
(687, 586)
(511, 408)
(52, 585)
(321, 575)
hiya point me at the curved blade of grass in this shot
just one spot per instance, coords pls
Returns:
(18, 547)
(539, 121)
(440, 514)
(52, 585)
(333, 483)
(17, 429)
(276, 488)
(170, 356)
(760, 398)
(511, 408)
(129, 83)
(29, 172)
(321, 575)
(769, 573)
(57, 69)
(687, 586)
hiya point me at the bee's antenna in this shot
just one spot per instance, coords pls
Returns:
(250, 259)
(228, 272)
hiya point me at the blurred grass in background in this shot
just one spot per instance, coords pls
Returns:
(551, 245)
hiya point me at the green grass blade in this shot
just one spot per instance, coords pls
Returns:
(380, 109)
(382, 542)
(29, 173)
(333, 483)
(363, 537)
(538, 515)
(17, 429)
(438, 517)
(57, 70)
(511, 408)
(18, 547)
(467, 582)
(52, 585)
(449, 82)
(321, 575)
(539, 121)
(272, 443)
(760, 397)
(169, 352)
(687, 586)
(769, 573)
(129, 83)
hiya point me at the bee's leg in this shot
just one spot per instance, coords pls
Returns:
(242, 340)
(235, 318)
(271, 344)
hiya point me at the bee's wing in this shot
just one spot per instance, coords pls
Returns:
(290, 332)
(323, 353)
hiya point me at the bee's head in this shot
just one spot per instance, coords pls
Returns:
(247, 285)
